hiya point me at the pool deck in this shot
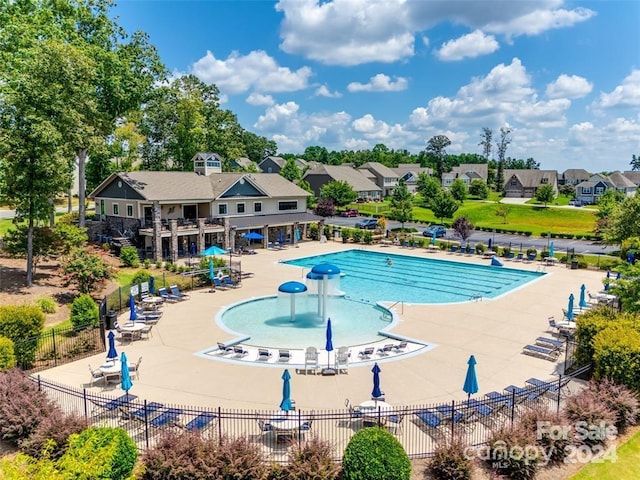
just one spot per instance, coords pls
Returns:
(175, 370)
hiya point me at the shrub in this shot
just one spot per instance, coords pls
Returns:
(140, 276)
(23, 467)
(554, 444)
(357, 235)
(375, 454)
(367, 237)
(158, 264)
(183, 455)
(84, 312)
(105, 247)
(129, 257)
(85, 270)
(146, 263)
(22, 324)
(620, 399)
(592, 410)
(241, 459)
(512, 452)
(22, 406)
(46, 304)
(616, 353)
(312, 460)
(99, 452)
(450, 461)
(49, 439)
(7, 355)
(480, 248)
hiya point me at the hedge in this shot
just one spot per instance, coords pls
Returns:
(616, 354)
(84, 312)
(7, 355)
(22, 324)
(589, 324)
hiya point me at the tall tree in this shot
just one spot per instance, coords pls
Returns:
(443, 205)
(38, 106)
(427, 186)
(502, 145)
(635, 162)
(459, 190)
(257, 148)
(625, 221)
(545, 194)
(485, 143)
(290, 170)
(340, 192)
(437, 146)
(402, 203)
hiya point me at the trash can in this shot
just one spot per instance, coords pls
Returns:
(110, 320)
(574, 264)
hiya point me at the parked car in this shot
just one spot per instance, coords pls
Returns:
(575, 203)
(352, 212)
(367, 223)
(439, 230)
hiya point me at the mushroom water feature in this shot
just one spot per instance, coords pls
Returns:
(292, 289)
(322, 273)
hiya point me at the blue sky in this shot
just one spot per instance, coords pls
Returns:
(349, 74)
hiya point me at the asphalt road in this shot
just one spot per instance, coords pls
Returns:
(515, 241)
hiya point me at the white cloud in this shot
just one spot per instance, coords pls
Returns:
(566, 86)
(379, 83)
(471, 45)
(257, 70)
(625, 95)
(258, 100)
(539, 21)
(277, 117)
(323, 91)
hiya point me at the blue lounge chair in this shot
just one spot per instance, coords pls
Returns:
(200, 422)
(175, 291)
(167, 296)
(145, 411)
(550, 388)
(119, 402)
(284, 355)
(229, 283)
(545, 353)
(219, 284)
(223, 349)
(428, 418)
(264, 354)
(549, 342)
(366, 353)
(239, 351)
(401, 346)
(167, 417)
(523, 394)
(386, 350)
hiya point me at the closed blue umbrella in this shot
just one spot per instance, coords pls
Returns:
(126, 383)
(152, 285)
(297, 234)
(281, 236)
(329, 343)
(551, 249)
(489, 243)
(112, 354)
(193, 249)
(376, 392)
(285, 405)
(570, 307)
(433, 238)
(133, 315)
(583, 302)
(471, 380)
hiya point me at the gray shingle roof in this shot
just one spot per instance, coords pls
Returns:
(532, 178)
(379, 168)
(353, 177)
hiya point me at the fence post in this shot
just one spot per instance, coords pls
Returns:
(219, 426)
(559, 387)
(39, 384)
(55, 351)
(84, 398)
(146, 425)
(453, 417)
(513, 405)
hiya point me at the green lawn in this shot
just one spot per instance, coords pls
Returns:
(538, 220)
(625, 466)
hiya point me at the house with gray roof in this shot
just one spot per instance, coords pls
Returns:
(364, 187)
(273, 164)
(165, 213)
(410, 172)
(381, 175)
(573, 176)
(524, 183)
(633, 175)
(588, 192)
(242, 163)
(467, 172)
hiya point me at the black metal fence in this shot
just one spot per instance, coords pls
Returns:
(420, 428)
(57, 346)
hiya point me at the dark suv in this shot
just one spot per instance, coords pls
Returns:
(367, 223)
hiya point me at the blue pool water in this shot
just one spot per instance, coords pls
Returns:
(368, 277)
(268, 322)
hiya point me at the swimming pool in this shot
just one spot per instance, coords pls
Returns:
(368, 277)
(267, 321)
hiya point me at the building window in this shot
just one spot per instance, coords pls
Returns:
(240, 208)
(116, 209)
(514, 182)
(200, 164)
(222, 209)
(288, 205)
(586, 190)
(129, 210)
(212, 163)
(257, 207)
(544, 180)
(599, 190)
(447, 181)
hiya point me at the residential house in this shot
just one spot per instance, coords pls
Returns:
(169, 214)
(467, 172)
(320, 176)
(409, 172)
(588, 192)
(381, 175)
(524, 183)
(241, 163)
(573, 176)
(633, 175)
(275, 164)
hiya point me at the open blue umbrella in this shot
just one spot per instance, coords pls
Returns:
(570, 307)
(126, 383)
(112, 354)
(152, 285)
(583, 302)
(376, 392)
(133, 315)
(329, 343)
(285, 404)
(551, 249)
(253, 236)
(471, 381)
(213, 250)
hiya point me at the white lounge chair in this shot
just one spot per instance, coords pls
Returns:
(342, 359)
(311, 359)
(264, 354)
(284, 355)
